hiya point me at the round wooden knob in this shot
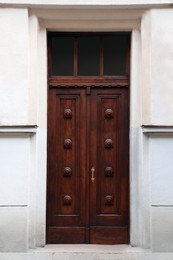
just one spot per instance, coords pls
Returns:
(67, 171)
(67, 200)
(109, 113)
(67, 113)
(67, 143)
(109, 171)
(108, 200)
(108, 143)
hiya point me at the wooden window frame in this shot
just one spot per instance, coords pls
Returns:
(80, 81)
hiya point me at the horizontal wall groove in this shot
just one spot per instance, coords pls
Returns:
(25, 129)
(157, 129)
(162, 206)
(13, 206)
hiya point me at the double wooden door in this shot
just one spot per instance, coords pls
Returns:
(88, 153)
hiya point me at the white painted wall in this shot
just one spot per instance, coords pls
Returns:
(15, 164)
(157, 53)
(90, 2)
(13, 226)
(23, 101)
(161, 67)
(15, 156)
(157, 109)
(13, 66)
(161, 169)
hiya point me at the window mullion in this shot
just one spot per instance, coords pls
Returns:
(75, 56)
(101, 57)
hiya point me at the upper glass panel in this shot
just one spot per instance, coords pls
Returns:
(114, 55)
(63, 56)
(88, 56)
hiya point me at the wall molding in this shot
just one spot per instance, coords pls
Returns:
(154, 129)
(25, 129)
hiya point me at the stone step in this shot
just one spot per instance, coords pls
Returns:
(86, 256)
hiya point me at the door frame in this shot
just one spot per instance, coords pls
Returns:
(139, 185)
(89, 83)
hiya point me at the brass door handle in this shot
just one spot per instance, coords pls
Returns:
(92, 174)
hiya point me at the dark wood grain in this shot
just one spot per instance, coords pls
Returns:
(115, 81)
(66, 235)
(66, 196)
(75, 56)
(109, 235)
(101, 57)
(88, 126)
(109, 196)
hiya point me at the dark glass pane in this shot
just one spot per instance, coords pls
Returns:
(88, 56)
(115, 55)
(62, 56)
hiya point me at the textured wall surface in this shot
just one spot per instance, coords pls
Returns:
(23, 101)
(13, 66)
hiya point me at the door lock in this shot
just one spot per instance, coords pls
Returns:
(92, 174)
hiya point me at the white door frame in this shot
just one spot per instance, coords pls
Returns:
(82, 19)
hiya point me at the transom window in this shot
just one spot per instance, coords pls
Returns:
(88, 55)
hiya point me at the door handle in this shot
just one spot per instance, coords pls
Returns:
(92, 174)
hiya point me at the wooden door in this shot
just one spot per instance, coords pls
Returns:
(66, 195)
(88, 154)
(109, 159)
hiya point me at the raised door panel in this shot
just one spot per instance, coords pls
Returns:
(71, 218)
(66, 169)
(109, 157)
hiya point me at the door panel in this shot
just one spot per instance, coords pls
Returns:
(109, 157)
(66, 166)
(77, 139)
